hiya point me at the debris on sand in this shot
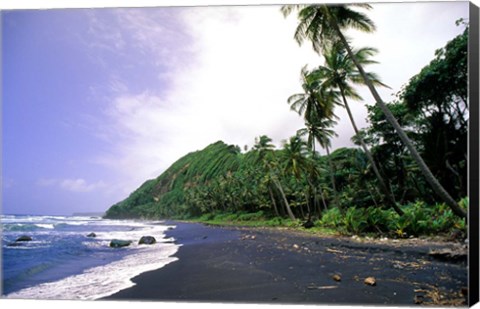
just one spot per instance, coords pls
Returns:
(333, 251)
(337, 277)
(370, 281)
(448, 254)
(434, 296)
(323, 287)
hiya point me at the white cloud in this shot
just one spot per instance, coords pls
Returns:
(80, 185)
(73, 184)
(232, 82)
(234, 89)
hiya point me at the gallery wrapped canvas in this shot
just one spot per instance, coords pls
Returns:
(241, 153)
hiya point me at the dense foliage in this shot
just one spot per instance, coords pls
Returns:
(377, 188)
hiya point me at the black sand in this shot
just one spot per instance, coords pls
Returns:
(271, 266)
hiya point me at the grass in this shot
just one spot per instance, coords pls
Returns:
(259, 220)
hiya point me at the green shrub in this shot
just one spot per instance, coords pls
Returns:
(331, 218)
(444, 222)
(207, 217)
(421, 219)
(414, 221)
(259, 215)
(292, 223)
(464, 203)
(355, 220)
(277, 221)
(380, 220)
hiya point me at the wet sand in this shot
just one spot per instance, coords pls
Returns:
(250, 265)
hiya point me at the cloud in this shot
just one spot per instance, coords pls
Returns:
(73, 185)
(80, 185)
(220, 73)
(233, 88)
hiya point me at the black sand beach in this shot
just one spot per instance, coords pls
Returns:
(244, 265)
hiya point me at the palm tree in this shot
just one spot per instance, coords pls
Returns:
(316, 105)
(318, 129)
(295, 159)
(339, 72)
(322, 25)
(265, 148)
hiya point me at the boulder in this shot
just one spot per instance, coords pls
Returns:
(24, 238)
(118, 243)
(147, 240)
(92, 235)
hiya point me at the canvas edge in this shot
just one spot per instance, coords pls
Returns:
(473, 224)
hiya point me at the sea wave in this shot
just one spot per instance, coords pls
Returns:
(102, 281)
(25, 227)
(77, 260)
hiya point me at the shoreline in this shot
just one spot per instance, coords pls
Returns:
(63, 263)
(268, 266)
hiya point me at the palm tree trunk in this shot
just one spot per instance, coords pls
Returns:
(434, 183)
(273, 202)
(287, 206)
(316, 204)
(301, 210)
(389, 199)
(332, 179)
(323, 199)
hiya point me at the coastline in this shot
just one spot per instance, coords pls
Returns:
(267, 266)
(62, 263)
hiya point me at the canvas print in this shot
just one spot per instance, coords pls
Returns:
(261, 154)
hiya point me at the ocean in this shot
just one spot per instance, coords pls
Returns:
(61, 262)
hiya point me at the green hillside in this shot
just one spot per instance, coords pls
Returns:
(165, 195)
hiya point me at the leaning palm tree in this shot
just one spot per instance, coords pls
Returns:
(318, 130)
(314, 101)
(339, 72)
(295, 159)
(265, 149)
(316, 105)
(323, 25)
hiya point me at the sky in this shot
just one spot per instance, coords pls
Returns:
(95, 101)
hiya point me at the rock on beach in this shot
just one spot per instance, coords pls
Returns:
(147, 240)
(118, 243)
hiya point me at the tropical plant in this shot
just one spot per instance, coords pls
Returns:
(339, 72)
(264, 147)
(319, 130)
(323, 25)
(316, 105)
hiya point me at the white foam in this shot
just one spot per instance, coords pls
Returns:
(45, 226)
(102, 281)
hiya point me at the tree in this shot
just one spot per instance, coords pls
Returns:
(387, 148)
(322, 25)
(437, 98)
(264, 147)
(319, 130)
(339, 72)
(316, 105)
